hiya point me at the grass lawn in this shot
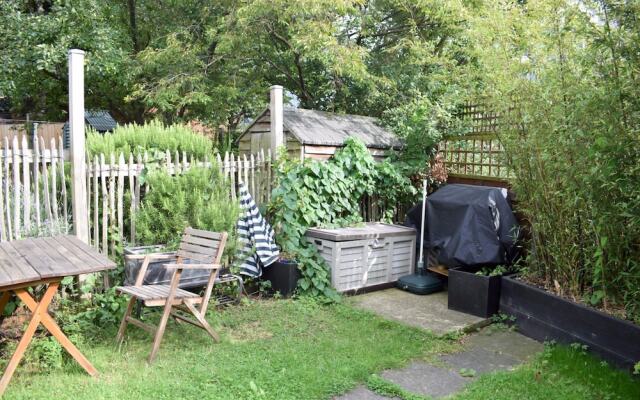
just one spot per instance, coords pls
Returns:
(560, 373)
(300, 350)
(269, 349)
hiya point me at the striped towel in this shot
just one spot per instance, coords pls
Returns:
(257, 246)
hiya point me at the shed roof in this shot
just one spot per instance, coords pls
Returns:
(332, 129)
(99, 120)
(323, 128)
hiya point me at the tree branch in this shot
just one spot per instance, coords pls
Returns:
(300, 81)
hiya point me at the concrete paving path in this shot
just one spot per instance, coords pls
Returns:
(485, 351)
(428, 312)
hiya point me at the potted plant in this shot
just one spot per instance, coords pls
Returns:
(283, 275)
(475, 291)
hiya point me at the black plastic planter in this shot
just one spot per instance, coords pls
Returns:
(283, 275)
(473, 294)
(545, 316)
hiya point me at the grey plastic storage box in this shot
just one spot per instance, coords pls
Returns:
(361, 257)
(157, 274)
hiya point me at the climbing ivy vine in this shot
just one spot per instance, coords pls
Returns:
(326, 194)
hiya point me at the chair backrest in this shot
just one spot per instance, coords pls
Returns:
(202, 246)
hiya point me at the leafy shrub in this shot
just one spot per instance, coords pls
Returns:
(393, 187)
(198, 198)
(102, 310)
(422, 123)
(44, 353)
(152, 137)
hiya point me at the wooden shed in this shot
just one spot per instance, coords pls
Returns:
(314, 134)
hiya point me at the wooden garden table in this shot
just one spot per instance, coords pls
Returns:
(44, 261)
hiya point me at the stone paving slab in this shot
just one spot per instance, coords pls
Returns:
(426, 379)
(428, 312)
(480, 360)
(485, 351)
(491, 350)
(504, 341)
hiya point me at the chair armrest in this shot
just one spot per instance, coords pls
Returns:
(152, 256)
(192, 266)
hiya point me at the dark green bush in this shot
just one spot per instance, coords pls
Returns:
(199, 198)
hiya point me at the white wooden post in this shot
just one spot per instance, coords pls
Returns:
(76, 131)
(276, 117)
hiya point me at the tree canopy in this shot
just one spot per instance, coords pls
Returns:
(213, 61)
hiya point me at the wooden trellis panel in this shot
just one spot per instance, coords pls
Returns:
(478, 154)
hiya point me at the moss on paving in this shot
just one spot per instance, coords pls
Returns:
(269, 350)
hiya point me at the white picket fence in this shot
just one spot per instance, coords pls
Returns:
(34, 188)
(114, 188)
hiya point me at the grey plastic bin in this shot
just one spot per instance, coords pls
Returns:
(156, 273)
(366, 256)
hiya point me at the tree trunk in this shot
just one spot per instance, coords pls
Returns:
(133, 26)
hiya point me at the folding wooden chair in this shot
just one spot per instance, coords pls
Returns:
(197, 246)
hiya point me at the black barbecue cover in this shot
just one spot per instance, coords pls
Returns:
(468, 225)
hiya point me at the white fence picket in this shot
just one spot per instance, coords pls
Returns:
(54, 186)
(7, 192)
(65, 200)
(36, 181)
(105, 205)
(26, 161)
(96, 190)
(17, 189)
(3, 231)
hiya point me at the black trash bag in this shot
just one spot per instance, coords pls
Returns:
(468, 225)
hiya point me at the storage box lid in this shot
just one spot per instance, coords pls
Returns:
(370, 230)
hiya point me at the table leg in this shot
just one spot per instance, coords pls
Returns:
(55, 330)
(38, 310)
(4, 300)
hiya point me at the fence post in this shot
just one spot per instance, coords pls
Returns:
(76, 131)
(276, 116)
